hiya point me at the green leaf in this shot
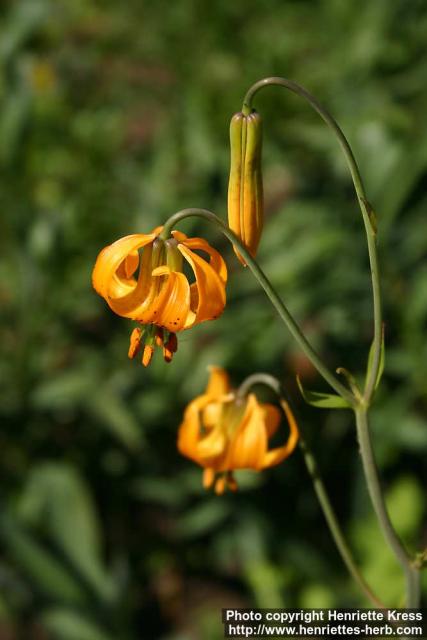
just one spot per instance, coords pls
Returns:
(382, 359)
(68, 625)
(115, 416)
(203, 518)
(323, 400)
(57, 499)
(48, 574)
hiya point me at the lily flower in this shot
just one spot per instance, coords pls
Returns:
(141, 277)
(222, 432)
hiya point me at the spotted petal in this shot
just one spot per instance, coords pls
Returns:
(209, 302)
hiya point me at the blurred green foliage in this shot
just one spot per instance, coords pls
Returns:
(112, 117)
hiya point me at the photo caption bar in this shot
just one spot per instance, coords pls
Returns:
(324, 623)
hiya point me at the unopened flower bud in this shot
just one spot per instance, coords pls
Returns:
(245, 188)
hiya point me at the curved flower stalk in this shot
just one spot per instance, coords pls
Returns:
(141, 277)
(223, 431)
(361, 401)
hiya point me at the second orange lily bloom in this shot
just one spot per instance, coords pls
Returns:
(222, 432)
(151, 287)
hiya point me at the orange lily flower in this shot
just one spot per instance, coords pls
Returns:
(151, 288)
(222, 432)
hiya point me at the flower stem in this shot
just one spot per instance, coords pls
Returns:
(366, 209)
(412, 574)
(334, 526)
(275, 299)
(320, 489)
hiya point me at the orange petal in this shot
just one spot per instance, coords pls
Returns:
(271, 417)
(112, 256)
(212, 414)
(219, 382)
(129, 265)
(210, 287)
(109, 278)
(179, 236)
(212, 446)
(249, 444)
(275, 456)
(128, 302)
(189, 432)
(217, 262)
(207, 449)
(171, 308)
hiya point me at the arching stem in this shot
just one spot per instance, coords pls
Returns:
(275, 299)
(362, 403)
(320, 489)
(411, 572)
(365, 207)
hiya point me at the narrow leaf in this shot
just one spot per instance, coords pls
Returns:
(69, 625)
(382, 359)
(322, 400)
(47, 574)
(57, 499)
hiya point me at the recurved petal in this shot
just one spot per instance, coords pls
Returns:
(219, 382)
(135, 293)
(217, 262)
(219, 390)
(210, 300)
(249, 444)
(111, 257)
(211, 447)
(129, 265)
(179, 236)
(190, 429)
(275, 456)
(171, 307)
(272, 417)
(212, 414)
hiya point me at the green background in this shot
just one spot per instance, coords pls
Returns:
(112, 117)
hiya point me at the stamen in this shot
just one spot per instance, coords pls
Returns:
(171, 346)
(231, 481)
(159, 337)
(220, 485)
(167, 355)
(172, 343)
(147, 354)
(208, 477)
(135, 342)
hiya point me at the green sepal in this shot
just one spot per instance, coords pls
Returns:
(322, 400)
(382, 359)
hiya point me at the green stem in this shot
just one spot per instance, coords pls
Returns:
(412, 575)
(320, 489)
(271, 293)
(333, 523)
(365, 207)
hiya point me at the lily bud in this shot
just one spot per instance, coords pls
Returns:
(245, 189)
